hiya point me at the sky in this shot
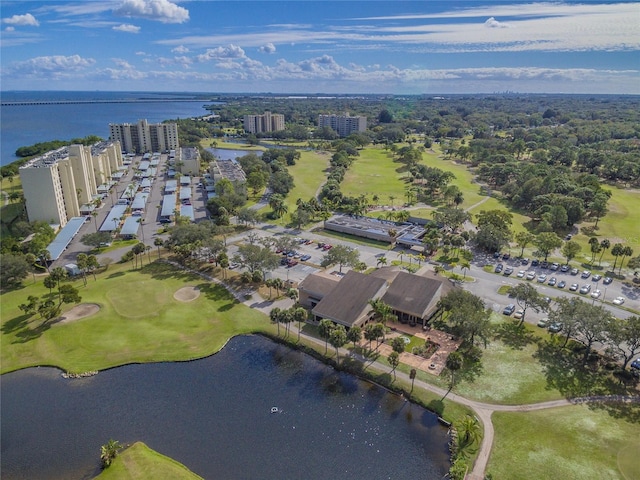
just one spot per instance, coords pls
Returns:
(333, 47)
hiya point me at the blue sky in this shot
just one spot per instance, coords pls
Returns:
(393, 47)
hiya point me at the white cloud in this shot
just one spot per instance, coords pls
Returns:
(10, 29)
(54, 65)
(267, 48)
(493, 23)
(160, 10)
(218, 53)
(180, 49)
(128, 28)
(22, 20)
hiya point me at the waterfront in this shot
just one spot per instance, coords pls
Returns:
(30, 123)
(215, 416)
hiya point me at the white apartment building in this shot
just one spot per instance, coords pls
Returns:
(343, 124)
(59, 182)
(145, 137)
(187, 161)
(268, 122)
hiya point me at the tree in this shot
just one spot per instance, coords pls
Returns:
(81, 261)
(14, 268)
(299, 315)
(381, 261)
(341, 255)
(158, 242)
(248, 216)
(274, 316)
(381, 311)
(546, 242)
(594, 246)
(394, 361)
(626, 252)
(96, 239)
(338, 337)
(31, 306)
(397, 344)
(109, 452)
(50, 283)
(453, 364)
(58, 274)
(278, 205)
(598, 207)
(605, 244)
(591, 326)
(257, 180)
(616, 251)
(526, 296)
(325, 328)
(468, 432)
(523, 239)
(93, 265)
(623, 338)
(412, 376)
(354, 335)
(68, 294)
(570, 249)
(257, 258)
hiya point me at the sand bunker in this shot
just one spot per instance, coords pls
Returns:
(187, 294)
(80, 311)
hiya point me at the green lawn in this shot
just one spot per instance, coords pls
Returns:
(375, 173)
(139, 462)
(207, 143)
(140, 324)
(571, 443)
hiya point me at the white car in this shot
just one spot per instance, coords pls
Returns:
(595, 294)
(531, 275)
(521, 274)
(618, 300)
(518, 314)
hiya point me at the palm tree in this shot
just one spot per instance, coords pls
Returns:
(412, 376)
(391, 199)
(158, 242)
(605, 244)
(468, 432)
(299, 315)
(394, 361)
(269, 283)
(381, 261)
(325, 328)
(274, 315)
(354, 335)
(94, 214)
(453, 363)
(109, 452)
(338, 337)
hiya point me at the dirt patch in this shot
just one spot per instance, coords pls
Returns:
(80, 311)
(187, 294)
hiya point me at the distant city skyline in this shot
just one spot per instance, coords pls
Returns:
(341, 47)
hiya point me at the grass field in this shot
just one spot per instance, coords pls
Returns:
(140, 324)
(139, 462)
(571, 443)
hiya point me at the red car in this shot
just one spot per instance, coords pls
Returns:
(327, 247)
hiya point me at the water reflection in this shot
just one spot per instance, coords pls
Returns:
(214, 415)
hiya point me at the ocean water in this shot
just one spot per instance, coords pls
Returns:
(26, 124)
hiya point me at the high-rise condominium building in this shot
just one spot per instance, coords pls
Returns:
(143, 137)
(59, 182)
(268, 122)
(343, 124)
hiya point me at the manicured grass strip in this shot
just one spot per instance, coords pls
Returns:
(573, 442)
(374, 172)
(309, 174)
(139, 321)
(139, 462)
(207, 143)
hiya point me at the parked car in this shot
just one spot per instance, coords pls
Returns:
(585, 274)
(509, 309)
(535, 262)
(555, 327)
(618, 300)
(573, 287)
(327, 247)
(521, 274)
(496, 254)
(304, 258)
(574, 271)
(498, 268)
(542, 323)
(636, 364)
(555, 266)
(596, 278)
(564, 268)
(519, 313)
(585, 289)
(596, 294)
(525, 261)
(531, 275)
(542, 278)
(561, 284)
(568, 237)
(506, 256)
(607, 280)
(552, 282)
(544, 264)
(508, 271)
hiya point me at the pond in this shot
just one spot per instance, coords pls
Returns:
(217, 416)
